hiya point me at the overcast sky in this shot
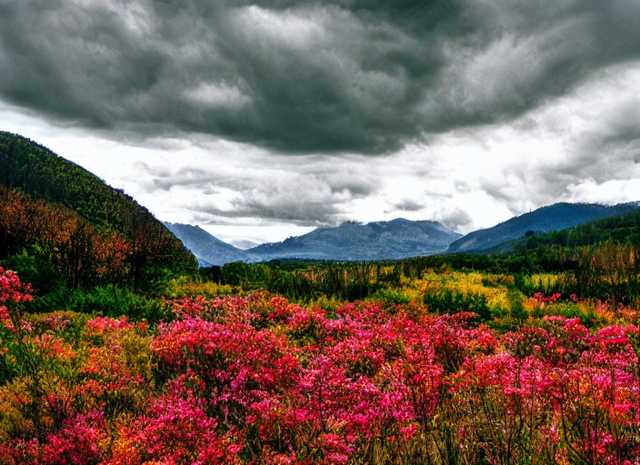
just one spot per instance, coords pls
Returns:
(260, 120)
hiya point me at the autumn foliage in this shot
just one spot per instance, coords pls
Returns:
(78, 252)
(79, 231)
(260, 380)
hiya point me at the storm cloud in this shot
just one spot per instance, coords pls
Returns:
(358, 76)
(262, 119)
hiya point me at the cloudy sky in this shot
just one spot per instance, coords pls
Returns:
(263, 119)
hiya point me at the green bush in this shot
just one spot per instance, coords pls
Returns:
(517, 311)
(390, 296)
(108, 300)
(33, 266)
(570, 310)
(449, 301)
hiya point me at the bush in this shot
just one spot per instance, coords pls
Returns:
(449, 301)
(587, 316)
(34, 266)
(390, 297)
(185, 286)
(108, 300)
(517, 311)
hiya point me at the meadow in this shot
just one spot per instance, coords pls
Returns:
(357, 364)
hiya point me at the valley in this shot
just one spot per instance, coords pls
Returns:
(127, 341)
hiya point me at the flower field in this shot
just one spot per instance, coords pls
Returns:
(256, 379)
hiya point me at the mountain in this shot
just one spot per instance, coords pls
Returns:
(554, 217)
(208, 249)
(624, 229)
(399, 238)
(87, 231)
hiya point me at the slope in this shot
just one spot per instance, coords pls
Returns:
(546, 219)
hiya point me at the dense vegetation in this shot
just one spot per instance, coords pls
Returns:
(608, 270)
(624, 229)
(79, 231)
(613, 242)
(531, 357)
(409, 376)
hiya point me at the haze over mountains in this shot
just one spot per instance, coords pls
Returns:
(396, 239)
(244, 244)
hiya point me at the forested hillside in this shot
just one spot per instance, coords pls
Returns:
(550, 218)
(77, 227)
(620, 229)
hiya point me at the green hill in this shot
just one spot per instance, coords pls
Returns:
(53, 190)
(623, 229)
(556, 217)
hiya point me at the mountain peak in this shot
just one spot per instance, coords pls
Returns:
(399, 221)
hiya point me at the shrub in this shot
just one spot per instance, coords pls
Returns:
(450, 301)
(108, 300)
(390, 297)
(185, 286)
(257, 379)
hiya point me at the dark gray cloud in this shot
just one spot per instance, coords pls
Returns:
(612, 145)
(455, 219)
(408, 205)
(284, 210)
(303, 76)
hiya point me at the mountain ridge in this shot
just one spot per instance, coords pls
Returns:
(402, 238)
(549, 218)
(208, 249)
(350, 241)
(394, 239)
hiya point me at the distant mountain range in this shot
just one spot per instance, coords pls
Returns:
(396, 239)
(546, 219)
(623, 229)
(399, 238)
(44, 193)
